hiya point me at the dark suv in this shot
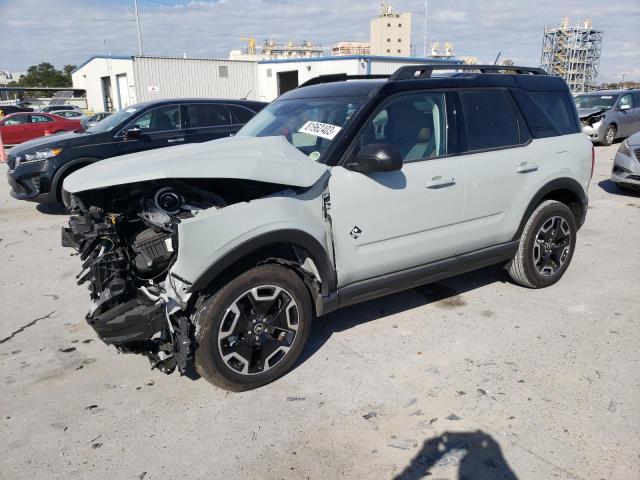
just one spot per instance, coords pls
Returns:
(38, 167)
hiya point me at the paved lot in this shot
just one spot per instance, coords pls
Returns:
(532, 384)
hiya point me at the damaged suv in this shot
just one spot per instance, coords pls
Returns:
(220, 254)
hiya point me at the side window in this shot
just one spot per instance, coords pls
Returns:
(241, 114)
(557, 107)
(636, 100)
(490, 118)
(40, 119)
(415, 124)
(17, 120)
(159, 119)
(207, 115)
(627, 100)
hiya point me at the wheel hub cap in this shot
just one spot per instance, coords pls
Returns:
(552, 246)
(258, 329)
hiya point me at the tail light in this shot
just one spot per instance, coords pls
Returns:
(593, 159)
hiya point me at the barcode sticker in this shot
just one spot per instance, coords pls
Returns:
(319, 129)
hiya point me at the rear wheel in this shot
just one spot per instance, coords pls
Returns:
(609, 135)
(250, 332)
(546, 246)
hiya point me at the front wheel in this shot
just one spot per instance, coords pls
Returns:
(546, 246)
(251, 331)
(609, 135)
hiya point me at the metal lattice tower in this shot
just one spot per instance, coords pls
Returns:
(572, 53)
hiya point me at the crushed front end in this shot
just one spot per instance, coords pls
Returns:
(127, 242)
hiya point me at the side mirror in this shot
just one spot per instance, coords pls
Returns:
(377, 157)
(624, 107)
(133, 133)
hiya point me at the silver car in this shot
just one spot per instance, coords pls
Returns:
(626, 165)
(609, 114)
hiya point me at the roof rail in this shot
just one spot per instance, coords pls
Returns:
(339, 77)
(424, 71)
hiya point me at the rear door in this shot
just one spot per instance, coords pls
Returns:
(386, 222)
(41, 124)
(208, 121)
(501, 167)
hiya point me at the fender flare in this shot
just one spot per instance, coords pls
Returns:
(298, 238)
(567, 184)
(64, 169)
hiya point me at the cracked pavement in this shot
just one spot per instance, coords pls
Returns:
(473, 376)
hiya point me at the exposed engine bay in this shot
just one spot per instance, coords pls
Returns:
(127, 239)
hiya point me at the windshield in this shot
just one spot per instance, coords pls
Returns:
(595, 101)
(112, 121)
(309, 124)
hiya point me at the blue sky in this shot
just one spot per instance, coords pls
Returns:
(69, 31)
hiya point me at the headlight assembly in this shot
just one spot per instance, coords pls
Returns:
(624, 149)
(38, 155)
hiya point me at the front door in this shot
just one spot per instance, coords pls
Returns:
(628, 116)
(14, 129)
(387, 222)
(159, 127)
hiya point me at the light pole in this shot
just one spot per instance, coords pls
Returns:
(135, 14)
(425, 30)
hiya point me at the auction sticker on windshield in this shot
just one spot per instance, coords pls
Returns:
(319, 129)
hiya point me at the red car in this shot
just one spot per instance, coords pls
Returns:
(20, 127)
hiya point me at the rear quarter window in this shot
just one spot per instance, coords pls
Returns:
(559, 108)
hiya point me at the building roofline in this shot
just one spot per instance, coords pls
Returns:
(453, 61)
(112, 57)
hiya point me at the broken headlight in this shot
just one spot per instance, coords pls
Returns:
(624, 149)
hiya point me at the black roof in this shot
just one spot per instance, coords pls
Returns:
(533, 80)
(173, 101)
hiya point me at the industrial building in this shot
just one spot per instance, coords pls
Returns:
(572, 53)
(113, 83)
(390, 33)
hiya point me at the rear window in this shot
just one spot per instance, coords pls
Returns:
(558, 108)
(491, 120)
(242, 114)
(208, 115)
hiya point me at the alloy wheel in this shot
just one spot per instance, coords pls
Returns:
(258, 329)
(610, 133)
(552, 245)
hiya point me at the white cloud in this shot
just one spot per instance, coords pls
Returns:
(69, 31)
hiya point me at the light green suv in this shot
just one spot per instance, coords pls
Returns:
(220, 254)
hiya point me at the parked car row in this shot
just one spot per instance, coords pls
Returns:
(38, 167)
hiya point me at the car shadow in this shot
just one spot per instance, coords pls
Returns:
(477, 454)
(446, 293)
(612, 188)
(52, 208)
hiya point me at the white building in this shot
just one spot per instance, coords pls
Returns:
(113, 83)
(390, 33)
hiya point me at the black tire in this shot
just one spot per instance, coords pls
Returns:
(541, 260)
(211, 341)
(609, 135)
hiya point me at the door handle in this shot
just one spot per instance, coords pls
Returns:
(440, 182)
(526, 167)
(174, 140)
